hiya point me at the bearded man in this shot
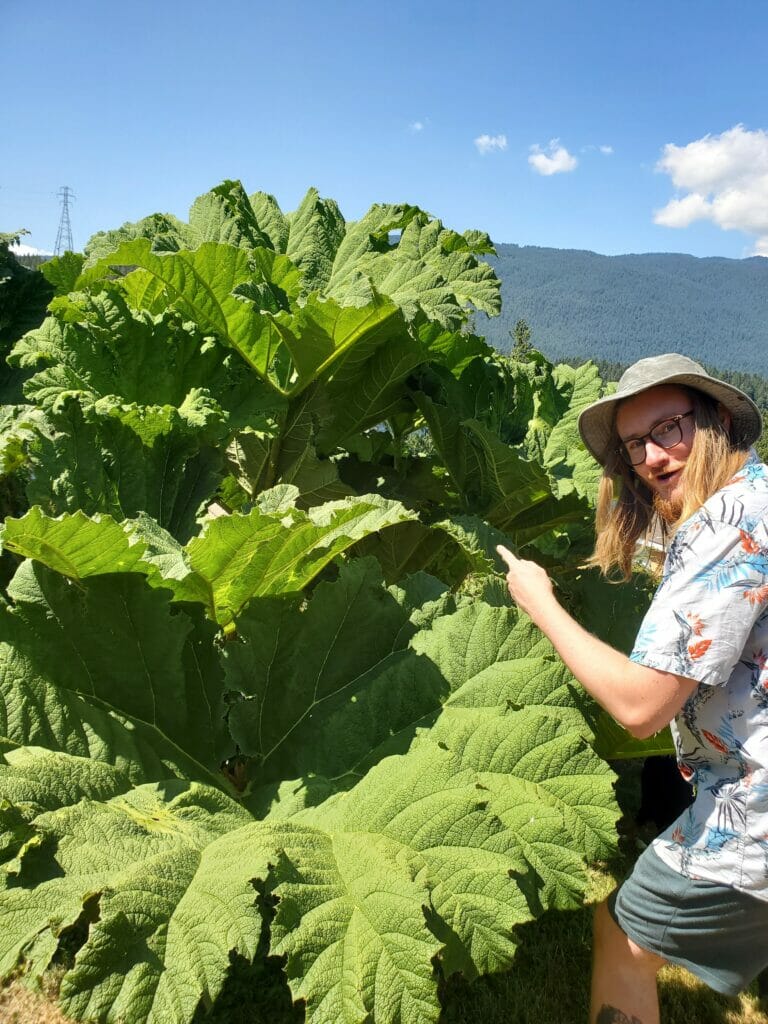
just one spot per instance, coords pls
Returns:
(675, 445)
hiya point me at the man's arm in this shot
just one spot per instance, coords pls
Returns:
(641, 699)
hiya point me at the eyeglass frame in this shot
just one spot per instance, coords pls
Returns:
(645, 438)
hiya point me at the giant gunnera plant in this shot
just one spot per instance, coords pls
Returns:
(260, 684)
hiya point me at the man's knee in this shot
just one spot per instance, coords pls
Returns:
(611, 943)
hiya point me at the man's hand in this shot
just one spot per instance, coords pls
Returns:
(529, 586)
(642, 699)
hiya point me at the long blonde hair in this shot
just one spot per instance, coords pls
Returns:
(625, 510)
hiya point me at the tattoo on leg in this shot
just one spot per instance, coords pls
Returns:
(611, 1015)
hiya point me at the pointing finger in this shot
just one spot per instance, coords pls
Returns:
(507, 555)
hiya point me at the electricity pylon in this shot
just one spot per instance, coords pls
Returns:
(64, 235)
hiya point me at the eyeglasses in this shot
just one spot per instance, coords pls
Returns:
(666, 434)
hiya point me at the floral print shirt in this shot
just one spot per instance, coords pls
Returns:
(709, 621)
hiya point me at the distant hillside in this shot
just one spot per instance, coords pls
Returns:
(620, 308)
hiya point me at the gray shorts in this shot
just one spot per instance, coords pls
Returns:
(716, 932)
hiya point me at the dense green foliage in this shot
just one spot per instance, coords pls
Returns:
(583, 305)
(24, 295)
(261, 685)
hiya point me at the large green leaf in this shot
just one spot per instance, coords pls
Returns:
(488, 815)
(129, 427)
(372, 234)
(449, 549)
(75, 545)
(117, 640)
(35, 710)
(63, 271)
(412, 547)
(239, 557)
(202, 283)
(306, 673)
(490, 476)
(260, 459)
(276, 548)
(565, 456)
(271, 220)
(508, 484)
(484, 820)
(166, 233)
(435, 270)
(357, 891)
(168, 866)
(126, 460)
(225, 215)
(452, 349)
(428, 268)
(315, 230)
(35, 780)
(85, 654)
(359, 397)
(315, 701)
(328, 340)
(104, 348)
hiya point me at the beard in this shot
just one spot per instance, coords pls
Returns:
(668, 510)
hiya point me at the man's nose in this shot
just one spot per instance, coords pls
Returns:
(655, 455)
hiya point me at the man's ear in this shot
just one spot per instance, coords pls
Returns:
(724, 416)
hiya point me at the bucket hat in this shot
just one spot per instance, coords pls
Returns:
(596, 421)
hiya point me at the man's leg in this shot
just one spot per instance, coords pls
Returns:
(623, 976)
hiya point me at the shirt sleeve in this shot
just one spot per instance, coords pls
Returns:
(714, 588)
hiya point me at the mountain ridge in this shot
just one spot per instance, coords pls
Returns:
(582, 304)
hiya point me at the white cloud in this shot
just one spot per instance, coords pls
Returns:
(415, 127)
(490, 143)
(592, 148)
(679, 213)
(557, 161)
(28, 250)
(726, 180)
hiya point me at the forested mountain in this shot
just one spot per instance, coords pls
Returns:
(620, 308)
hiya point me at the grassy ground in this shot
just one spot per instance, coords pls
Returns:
(20, 1006)
(548, 986)
(549, 982)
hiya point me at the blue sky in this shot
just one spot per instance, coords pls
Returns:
(612, 126)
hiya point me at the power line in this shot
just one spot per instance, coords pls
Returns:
(25, 193)
(64, 234)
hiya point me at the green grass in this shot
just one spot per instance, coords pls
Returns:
(549, 981)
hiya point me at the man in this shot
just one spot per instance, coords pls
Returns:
(675, 446)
